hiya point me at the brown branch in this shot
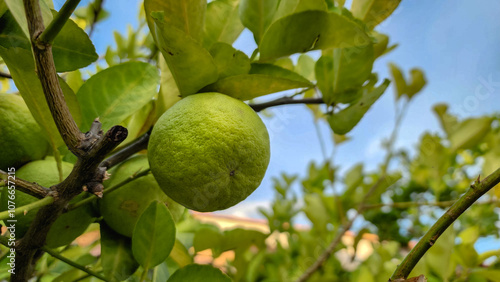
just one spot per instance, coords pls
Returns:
(476, 190)
(30, 188)
(47, 74)
(124, 153)
(285, 101)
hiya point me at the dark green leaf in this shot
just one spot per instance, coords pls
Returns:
(69, 225)
(257, 15)
(228, 60)
(191, 65)
(118, 263)
(310, 30)
(344, 121)
(208, 238)
(72, 48)
(199, 273)
(373, 12)
(154, 235)
(117, 92)
(222, 22)
(186, 16)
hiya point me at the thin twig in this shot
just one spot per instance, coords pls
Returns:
(139, 144)
(285, 101)
(73, 264)
(476, 190)
(30, 188)
(55, 26)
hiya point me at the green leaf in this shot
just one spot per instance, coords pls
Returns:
(381, 43)
(417, 82)
(257, 15)
(305, 67)
(72, 48)
(324, 74)
(373, 12)
(117, 92)
(240, 238)
(316, 211)
(449, 123)
(263, 79)
(399, 81)
(408, 89)
(154, 235)
(345, 120)
(310, 30)
(228, 60)
(470, 133)
(208, 238)
(117, 260)
(290, 7)
(469, 235)
(69, 225)
(285, 63)
(186, 16)
(199, 273)
(352, 67)
(22, 68)
(222, 22)
(490, 274)
(169, 93)
(439, 256)
(191, 65)
(180, 254)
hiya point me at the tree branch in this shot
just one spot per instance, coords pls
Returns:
(30, 188)
(285, 101)
(124, 153)
(85, 174)
(476, 190)
(50, 33)
(47, 74)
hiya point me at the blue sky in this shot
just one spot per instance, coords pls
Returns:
(456, 43)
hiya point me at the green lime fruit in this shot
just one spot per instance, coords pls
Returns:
(209, 151)
(122, 208)
(21, 138)
(43, 172)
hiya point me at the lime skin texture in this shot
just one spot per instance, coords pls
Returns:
(21, 138)
(209, 151)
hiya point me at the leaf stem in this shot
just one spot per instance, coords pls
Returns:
(285, 101)
(55, 26)
(73, 264)
(476, 190)
(23, 209)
